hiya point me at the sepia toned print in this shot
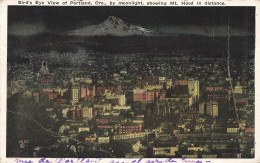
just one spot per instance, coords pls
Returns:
(131, 82)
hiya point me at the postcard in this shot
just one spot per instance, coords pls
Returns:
(129, 81)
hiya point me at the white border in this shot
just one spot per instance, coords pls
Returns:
(3, 78)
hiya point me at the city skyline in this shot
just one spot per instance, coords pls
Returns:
(113, 87)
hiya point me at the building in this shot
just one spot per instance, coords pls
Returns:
(193, 89)
(44, 69)
(160, 94)
(44, 77)
(214, 89)
(119, 97)
(106, 126)
(87, 112)
(232, 129)
(184, 99)
(83, 91)
(91, 91)
(81, 129)
(140, 95)
(102, 120)
(180, 82)
(121, 107)
(147, 96)
(79, 112)
(202, 108)
(86, 80)
(164, 150)
(215, 96)
(212, 108)
(103, 106)
(52, 93)
(113, 89)
(166, 83)
(189, 115)
(90, 139)
(131, 135)
(75, 90)
(75, 113)
(129, 128)
(103, 139)
(138, 120)
(113, 102)
(150, 79)
(195, 149)
(153, 87)
(87, 92)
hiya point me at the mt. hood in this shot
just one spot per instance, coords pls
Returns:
(115, 27)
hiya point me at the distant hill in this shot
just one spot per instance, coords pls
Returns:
(156, 45)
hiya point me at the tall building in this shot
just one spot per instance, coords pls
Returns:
(193, 89)
(75, 90)
(87, 91)
(212, 108)
(83, 91)
(202, 108)
(91, 91)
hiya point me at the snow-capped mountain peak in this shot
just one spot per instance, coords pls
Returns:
(114, 20)
(115, 27)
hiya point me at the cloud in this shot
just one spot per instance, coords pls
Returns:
(204, 30)
(25, 29)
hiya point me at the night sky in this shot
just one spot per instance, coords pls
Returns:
(28, 20)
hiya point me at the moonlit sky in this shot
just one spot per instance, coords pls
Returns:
(212, 21)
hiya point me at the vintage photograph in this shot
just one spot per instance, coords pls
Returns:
(130, 82)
